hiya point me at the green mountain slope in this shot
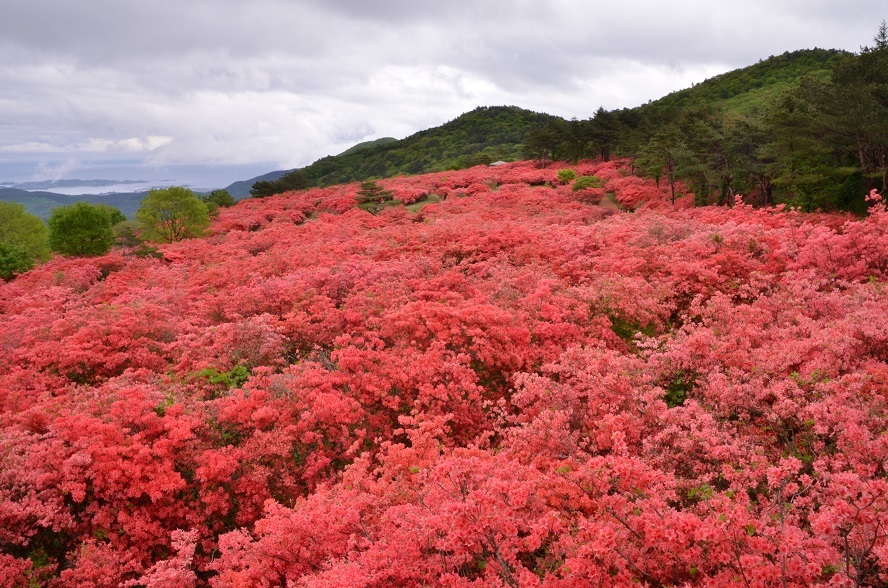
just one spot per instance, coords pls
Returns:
(42, 203)
(750, 88)
(241, 189)
(369, 145)
(36, 203)
(806, 128)
(483, 135)
(488, 134)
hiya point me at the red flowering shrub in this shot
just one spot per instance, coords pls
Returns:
(505, 385)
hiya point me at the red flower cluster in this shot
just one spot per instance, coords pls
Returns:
(507, 386)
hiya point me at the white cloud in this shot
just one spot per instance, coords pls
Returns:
(134, 144)
(287, 82)
(57, 171)
(92, 145)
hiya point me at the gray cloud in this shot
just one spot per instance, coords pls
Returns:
(282, 83)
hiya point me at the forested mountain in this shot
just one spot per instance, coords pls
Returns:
(808, 128)
(369, 145)
(41, 203)
(484, 135)
(748, 89)
(716, 139)
(242, 188)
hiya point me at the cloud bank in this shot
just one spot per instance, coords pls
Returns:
(281, 83)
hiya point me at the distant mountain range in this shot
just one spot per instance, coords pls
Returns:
(488, 134)
(73, 183)
(41, 203)
(242, 189)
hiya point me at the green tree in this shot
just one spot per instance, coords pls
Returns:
(217, 199)
(294, 180)
(22, 230)
(810, 160)
(604, 132)
(114, 214)
(667, 155)
(82, 228)
(829, 137)
(566, 175)
(715, 155)
(127, 234)
(14, 260)
(750, 134)
(542, 143)
(172, 214)
(637, 129)
(857, 108)
(372, 197)
(574, 138)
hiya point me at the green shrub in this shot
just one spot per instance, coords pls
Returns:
(217, 199)
(172, 214)
(14, 260)
(233, 378)
(26, 231)
(584, 182)
(373, 198)
(82, 228)
(566, 175)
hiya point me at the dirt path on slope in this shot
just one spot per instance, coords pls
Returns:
(609, 202)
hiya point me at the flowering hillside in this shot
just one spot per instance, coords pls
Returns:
(501, 382)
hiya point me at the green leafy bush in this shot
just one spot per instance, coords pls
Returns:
(584, 182)
(566, 175)
(172, 214)
(83, 229)
(14, 260)
(372, 197)
(18, 228)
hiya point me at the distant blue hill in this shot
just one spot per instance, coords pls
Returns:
(241, 189)
(41, 203)
(72, 183)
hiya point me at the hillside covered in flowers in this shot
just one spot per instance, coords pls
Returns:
(500, 382)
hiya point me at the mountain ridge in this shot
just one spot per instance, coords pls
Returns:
(485, 134)
(742, 89)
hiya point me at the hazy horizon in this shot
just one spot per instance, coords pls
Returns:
(192, 176)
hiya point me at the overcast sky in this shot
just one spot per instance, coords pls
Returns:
(96, 88)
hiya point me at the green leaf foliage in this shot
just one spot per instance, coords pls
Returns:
(372, 197)
(750, 89)
(367, 145)
(14, 260)
(115, 215)
(217, 199)
(807, 128)
(172, 214)
(293, 180)
(566, 175)
(83, 229)
(221, 198)
(234, 378)
(584, 182)
(22, 230)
